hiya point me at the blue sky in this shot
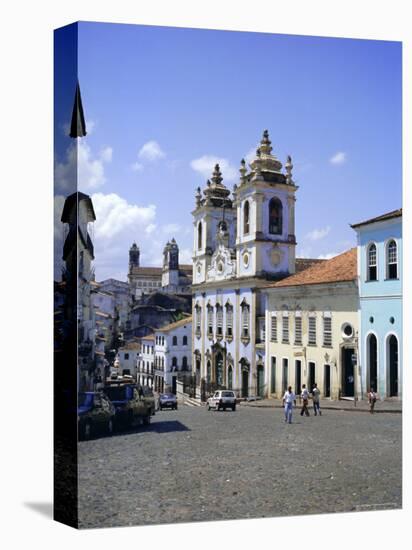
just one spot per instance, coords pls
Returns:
(162, 104)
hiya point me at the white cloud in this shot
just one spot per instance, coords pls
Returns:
(119, 223)
(106, 154)
(116, 216)
(205, 165)
(317, 234)
(328, 255)
(137, 167)
(81, 162)
(151, 151)
(338, 158)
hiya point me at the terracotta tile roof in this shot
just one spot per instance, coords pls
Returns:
(148, 337)
(176, 324)
(383, 217)
(337, 269)
(130, 345)
(186, 267)
(304, 263)
(148, 271)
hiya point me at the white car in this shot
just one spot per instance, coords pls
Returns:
(222, 399)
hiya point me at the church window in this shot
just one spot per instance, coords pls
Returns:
(246, 216)
(245, 320)
(184, 363)
(392, 260)
(199, 236)
(210, 320)
(275, 216)
(219, 320)
(174, 341)
(229, 320)
(372, 263)
(185, 340)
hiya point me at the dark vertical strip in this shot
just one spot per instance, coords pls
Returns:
(65, 282)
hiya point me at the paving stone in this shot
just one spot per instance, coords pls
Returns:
(243, 464)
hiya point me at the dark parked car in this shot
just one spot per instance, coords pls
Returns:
(167, 401)
(130, 404)
(95, 414)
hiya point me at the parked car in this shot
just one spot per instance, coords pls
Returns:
(130, 405)
(167, 401)
(222, 399)
(149, 399)
(95, 414)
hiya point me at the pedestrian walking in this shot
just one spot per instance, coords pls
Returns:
(372, 400)
(316, 399)
(288, 400)
(305, 400)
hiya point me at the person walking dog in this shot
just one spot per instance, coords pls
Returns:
(305, 400)
(316, 399)
(288, 400)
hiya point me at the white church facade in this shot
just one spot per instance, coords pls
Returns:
(242, 239)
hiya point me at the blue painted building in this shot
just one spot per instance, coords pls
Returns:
(380, 314)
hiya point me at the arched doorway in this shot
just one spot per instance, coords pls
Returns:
(393, 356)
(219, 369)
(372, 362)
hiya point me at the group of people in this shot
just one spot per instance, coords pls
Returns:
(289, 399)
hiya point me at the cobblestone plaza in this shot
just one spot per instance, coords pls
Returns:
(195, 465)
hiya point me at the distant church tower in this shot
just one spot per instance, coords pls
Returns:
(134, 257)
(170, 271)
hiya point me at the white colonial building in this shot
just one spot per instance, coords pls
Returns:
(145, 362)
(173, 353)
(240, 243)
(128, 356)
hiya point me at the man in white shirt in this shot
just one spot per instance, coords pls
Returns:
(288, 399)
(305, 400)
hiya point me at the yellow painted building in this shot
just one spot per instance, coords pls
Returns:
(311, 330)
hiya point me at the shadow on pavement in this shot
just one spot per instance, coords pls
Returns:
(43, 508)
(167, 426)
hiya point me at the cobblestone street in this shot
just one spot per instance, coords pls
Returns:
(195, 465)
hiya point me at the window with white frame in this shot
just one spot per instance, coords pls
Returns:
(219, 320)
(262, 329)
(298, 329)
(274, 329)
(391, 260)
(372, 263)
(210, 320)
(285, 329)
(327, 330)
(312, 330)
(198, 316)
(245, 320)
(229, 320)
